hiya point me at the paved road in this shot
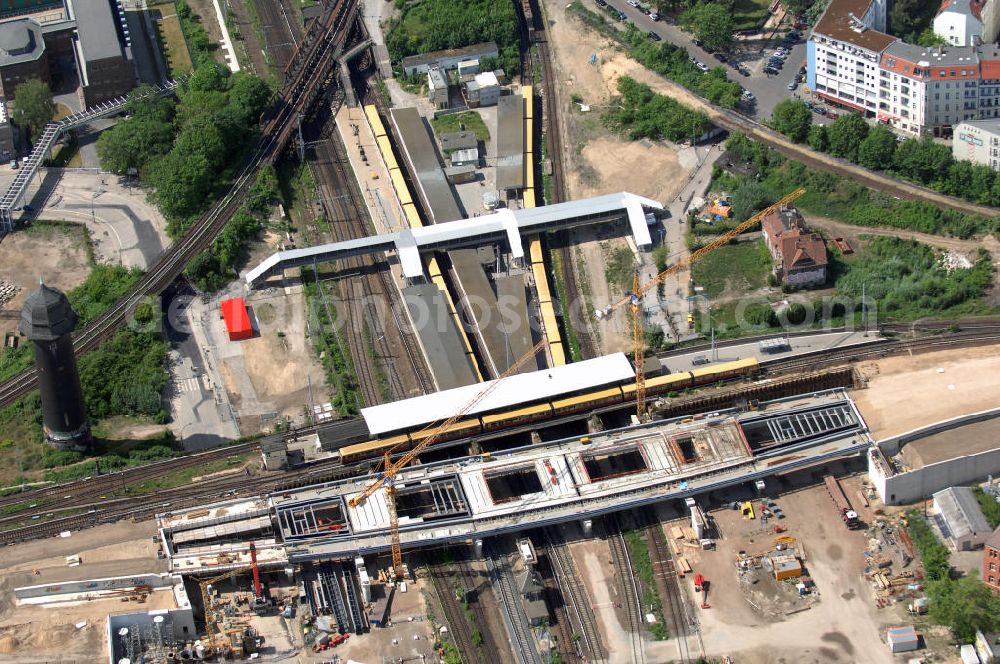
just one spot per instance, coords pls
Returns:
(752, 54)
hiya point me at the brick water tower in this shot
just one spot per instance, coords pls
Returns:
(47, 319)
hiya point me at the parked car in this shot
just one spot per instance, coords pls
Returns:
(831, 115)
(770, 70)
(802, 70)
(654, 16)
(701, 65)
(29, 209)
(634, 3)
(654, 36)
(743, 70)
(793, 84)
(697, 42)
(818, 109)
(720, 57)
(601, 3)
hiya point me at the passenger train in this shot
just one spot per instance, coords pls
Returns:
(525, 414)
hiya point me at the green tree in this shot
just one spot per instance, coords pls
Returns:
(878, 149)
(33, 106)
(922, 160)
(909, 18)
(818, 139)
(964, 605)
(132, 143)
(249, 96)
(264, 191)
(846, 134)
(793, 119)
(712, 23)
(929, 38)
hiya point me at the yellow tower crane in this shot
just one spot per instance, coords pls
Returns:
(634, 297)
(391, 468)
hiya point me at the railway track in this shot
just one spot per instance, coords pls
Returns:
(454, 613)
(575, 596)
(631, 601)
(553, 139)
(522, 640)
(669, 586)
(312, 62)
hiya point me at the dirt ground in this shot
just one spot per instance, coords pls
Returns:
(55, 255)
(35, 633)
(908, 392)
(592, 558)
(842, 626)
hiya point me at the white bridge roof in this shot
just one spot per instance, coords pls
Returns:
(506, 223)
(516, 390)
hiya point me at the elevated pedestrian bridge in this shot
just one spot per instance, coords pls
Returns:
(504, 226)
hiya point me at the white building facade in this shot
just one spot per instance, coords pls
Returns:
(978, 141)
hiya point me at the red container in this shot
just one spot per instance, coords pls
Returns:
(234, 312)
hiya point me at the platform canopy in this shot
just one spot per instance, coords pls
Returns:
(519, 389)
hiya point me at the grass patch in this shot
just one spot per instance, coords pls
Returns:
(642, 567)
(171, 39)
(464, 121)
(738, 267)
(337, 365)
(619, 267)
(749, 14)
(185, 475)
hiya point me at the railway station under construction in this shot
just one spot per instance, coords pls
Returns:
(468, 499)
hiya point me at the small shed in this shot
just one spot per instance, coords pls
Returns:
(234, 313)
(960, 518)
(465, 157)
(274, 454)
(458, 140)
(786, 566)
(460, 174)
(902, 639)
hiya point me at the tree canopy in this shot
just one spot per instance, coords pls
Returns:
(846, 134)
(187, 149)
(712, 23)
(793, 119)
(878, 149)
(33, 106)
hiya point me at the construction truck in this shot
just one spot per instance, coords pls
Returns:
(847, 513)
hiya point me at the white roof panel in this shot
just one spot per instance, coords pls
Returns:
(520, 388)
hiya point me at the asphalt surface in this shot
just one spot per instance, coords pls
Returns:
(752, 54)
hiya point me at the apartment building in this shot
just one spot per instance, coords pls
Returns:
(843, 54)
(915, 89)
(991, 561)
(934, 88)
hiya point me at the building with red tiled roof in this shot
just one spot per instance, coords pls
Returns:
(799, 254)
(991, 561)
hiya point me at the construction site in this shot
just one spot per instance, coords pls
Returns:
(459, 447)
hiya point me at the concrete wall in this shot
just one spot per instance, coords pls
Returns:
(914, 485)
(95, 585)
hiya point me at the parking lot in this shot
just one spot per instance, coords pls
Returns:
(749, 54)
